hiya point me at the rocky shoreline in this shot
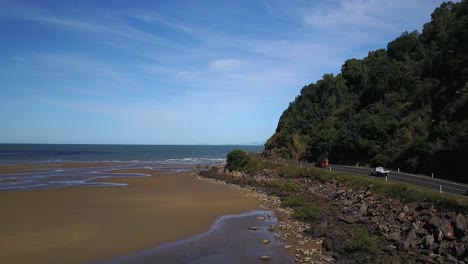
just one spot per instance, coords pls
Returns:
(404, 232)
(302, 246)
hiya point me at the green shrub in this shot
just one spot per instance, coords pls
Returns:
(237, 160)
(362, 241)
(289, 187)
(293, 172)
(293, 201)
(273, 184)
(306, 212)
(255, 165)
(319, 175)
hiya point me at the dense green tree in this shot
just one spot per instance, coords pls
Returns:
(405, 106)
(236, 160)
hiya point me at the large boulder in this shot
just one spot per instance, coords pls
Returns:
(395, 236)
(428, 241)
(320, 230)
(411, 240)
(363, 209)
(460, 225)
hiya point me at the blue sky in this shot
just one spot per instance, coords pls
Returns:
(176, 72)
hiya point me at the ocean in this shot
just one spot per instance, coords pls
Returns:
(177, 158)
(53, 153)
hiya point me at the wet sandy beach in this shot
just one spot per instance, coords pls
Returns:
(88, 224)
(229, 240)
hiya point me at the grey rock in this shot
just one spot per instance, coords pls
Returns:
(436, 221)
(320, 230)
(450, 259)
(411, 240)
(390, 248)
(425, 212)
(420, 232)
(339, 192)
(406, 209)
(363, 209)
(442, 247)
(422, 258)
(434, 247)
(395, 236)
(460, 223)
(451, 215)
(328, 259)
(438, 235)
(447, 229)
(348, 219)
(401, 216)
(430, 260)
(428, 241)
(328, 244)
(458, 250)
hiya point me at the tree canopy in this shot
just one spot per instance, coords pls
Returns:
(405, 106)
(236, 160)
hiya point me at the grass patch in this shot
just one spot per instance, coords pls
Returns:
(286, 171)
(273, 184)
(255, 165)
(290, 187)
(282, 189)
(294, 201)
(362, 241)
(308, 212)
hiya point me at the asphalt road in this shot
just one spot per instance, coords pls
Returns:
(418, 180)
(413, 179)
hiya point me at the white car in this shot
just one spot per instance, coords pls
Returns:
(379, 171)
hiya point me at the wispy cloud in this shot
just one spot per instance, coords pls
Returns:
(375, 14)
(68, 65)
(158, 66)
(227, 65)
(94, 23)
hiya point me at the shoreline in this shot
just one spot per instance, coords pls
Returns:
(230, 239)
(302, 247)
(50, 225)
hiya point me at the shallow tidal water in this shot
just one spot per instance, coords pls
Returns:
(229, 240)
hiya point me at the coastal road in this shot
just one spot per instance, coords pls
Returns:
(418, 180)
(407, 178)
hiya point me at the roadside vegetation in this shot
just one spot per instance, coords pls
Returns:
(362, 241)
(377, 186)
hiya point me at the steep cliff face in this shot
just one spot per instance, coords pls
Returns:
(404, 106)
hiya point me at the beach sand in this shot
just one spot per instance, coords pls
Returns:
(84, 224)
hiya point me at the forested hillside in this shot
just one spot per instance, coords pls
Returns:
(405, 106)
